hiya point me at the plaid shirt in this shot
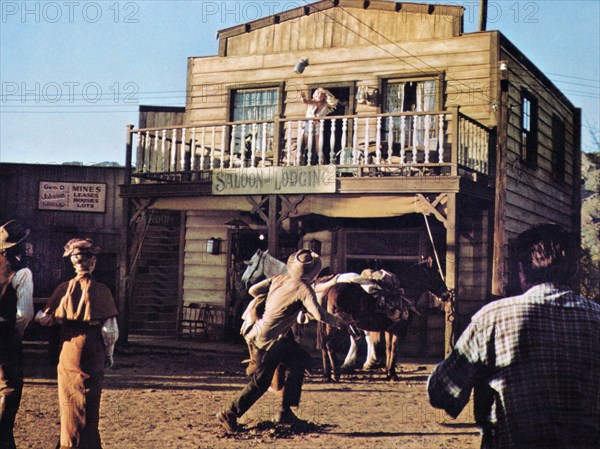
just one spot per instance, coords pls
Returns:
(534, 364)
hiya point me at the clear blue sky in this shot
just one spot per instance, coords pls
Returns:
(73, 73)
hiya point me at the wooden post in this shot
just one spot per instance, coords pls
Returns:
(498, 269)
(451, 272)
(273, 225)
(455, 140)
(128, 154)
(276, 141)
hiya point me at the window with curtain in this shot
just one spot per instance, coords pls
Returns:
(254, 104)
(411, 96)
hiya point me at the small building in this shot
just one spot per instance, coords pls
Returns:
(441, 141)
(60, 202)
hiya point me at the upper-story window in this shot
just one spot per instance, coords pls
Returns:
(406, 95)
(255, 104)
(529, 125)
(558, 149)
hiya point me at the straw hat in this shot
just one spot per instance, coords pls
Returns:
(304, 265)
(81, 246)
(11, 234)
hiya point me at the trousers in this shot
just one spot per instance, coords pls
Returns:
(290, 355)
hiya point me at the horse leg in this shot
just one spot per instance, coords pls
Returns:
(350, 360)
(325, 362)
(391, 348)
(333, 360)
(372, 338)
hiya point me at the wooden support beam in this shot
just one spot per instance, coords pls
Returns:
(451, 272)
(431, 208)
(273, 225)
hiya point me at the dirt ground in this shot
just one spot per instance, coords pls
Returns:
(165, 396)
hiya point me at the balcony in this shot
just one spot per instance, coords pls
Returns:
(417, 144)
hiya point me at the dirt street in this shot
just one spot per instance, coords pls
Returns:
(166, 397)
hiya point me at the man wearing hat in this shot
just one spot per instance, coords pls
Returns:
(287, 294)
(16, 311)
(87, 312)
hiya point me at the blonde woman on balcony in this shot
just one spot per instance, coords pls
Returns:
(321, 104)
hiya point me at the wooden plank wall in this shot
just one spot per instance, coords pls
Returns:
(532, 196)
(205, 275)
(474, 258)
(50, 230)
(159, 116)
(344, 27)
(464, 61)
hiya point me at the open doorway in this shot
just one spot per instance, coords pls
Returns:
(344, 107)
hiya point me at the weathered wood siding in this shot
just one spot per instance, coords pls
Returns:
(160, 116)
(532, 195)
(50, 230)
(205, 275)
(464, 64)
(343, 26)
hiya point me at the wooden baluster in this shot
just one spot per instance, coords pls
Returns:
(139, 153)
(193, 159)
(154, 154)
(309, 149)
(288, 142)
(173, 153)
(366, 141)
(300, 141)
(378, 142)
(147, 153)
(264, 145)
(320, 155)
(355, 143)
(243, 145)
(203, 149)
(212, 147)
(223, 147)
(232, 147)
(183, 149)
(441, 140)
(390, 139)
(426, 139)
(402, 140)
(332, 142)
(344, 142)
(414, 138)
(253, 146)
(163, 151)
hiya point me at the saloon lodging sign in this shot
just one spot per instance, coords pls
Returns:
(72, 196)
(273, 180)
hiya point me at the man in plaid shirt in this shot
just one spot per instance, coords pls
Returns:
(533, 360)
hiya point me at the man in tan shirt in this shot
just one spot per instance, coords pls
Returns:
(287, 294)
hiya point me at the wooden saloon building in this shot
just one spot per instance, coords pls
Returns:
(442, 142)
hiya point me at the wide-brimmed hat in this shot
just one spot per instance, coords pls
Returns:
(81, 246)
(11, 234)
(304, 264)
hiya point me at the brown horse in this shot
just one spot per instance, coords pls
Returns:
(351, 300)
(366, 312)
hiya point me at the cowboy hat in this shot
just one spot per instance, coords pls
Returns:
(304, 265)
(81, 246)
(11, 234)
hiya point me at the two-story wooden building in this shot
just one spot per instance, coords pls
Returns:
(441, 141)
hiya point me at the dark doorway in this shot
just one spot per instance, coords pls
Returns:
(343, 108)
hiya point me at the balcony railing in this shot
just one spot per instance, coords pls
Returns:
(419, 143)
